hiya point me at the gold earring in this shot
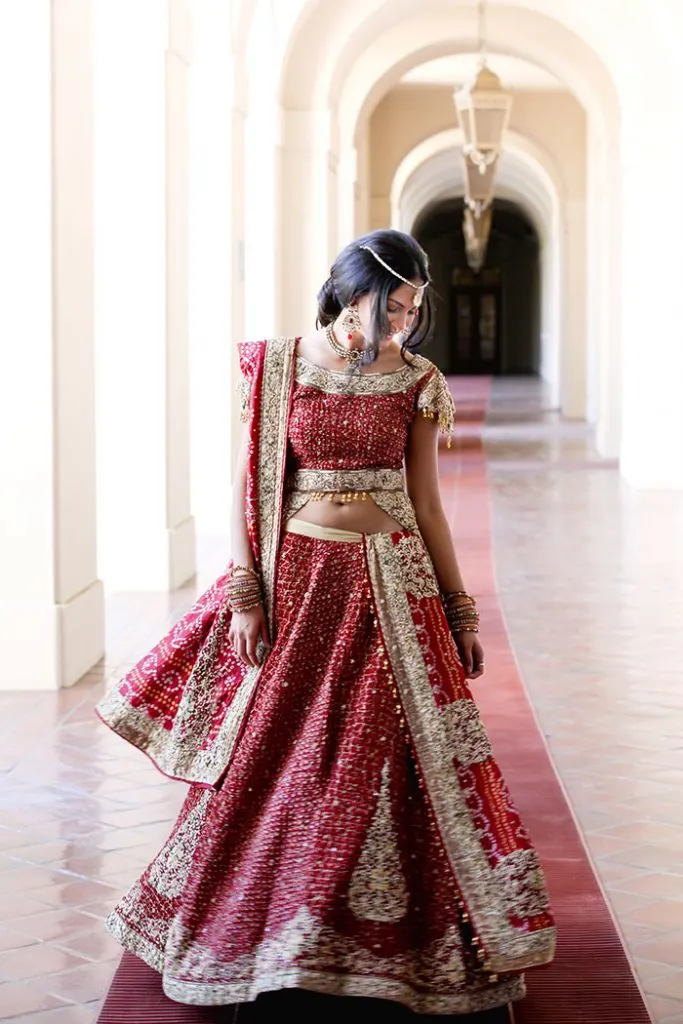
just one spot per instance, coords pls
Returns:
(351, 322)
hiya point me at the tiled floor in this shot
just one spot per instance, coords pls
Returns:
(591, 579)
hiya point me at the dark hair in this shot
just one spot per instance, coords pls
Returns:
(356, 272)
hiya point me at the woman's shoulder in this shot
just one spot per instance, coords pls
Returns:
(421, 366)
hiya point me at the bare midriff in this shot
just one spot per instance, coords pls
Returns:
(360, 515)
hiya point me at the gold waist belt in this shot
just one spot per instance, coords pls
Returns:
(350, 484)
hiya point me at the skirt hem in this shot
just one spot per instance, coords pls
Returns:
(348, 985)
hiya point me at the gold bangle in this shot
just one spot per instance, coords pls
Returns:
(244, 570)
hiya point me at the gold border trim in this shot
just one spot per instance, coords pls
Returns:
(508, 949)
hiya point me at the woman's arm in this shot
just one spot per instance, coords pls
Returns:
(422, 480)
(245, 627)
(239, 538)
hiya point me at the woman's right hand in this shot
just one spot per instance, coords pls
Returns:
(245, 630)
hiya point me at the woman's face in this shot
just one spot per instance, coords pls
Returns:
(401, 310)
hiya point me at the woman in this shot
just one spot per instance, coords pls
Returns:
(347, 830)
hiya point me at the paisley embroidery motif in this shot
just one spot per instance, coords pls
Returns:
(522, 883)
(465, 733)
(378, 890)
(418, 571)
(171, 869)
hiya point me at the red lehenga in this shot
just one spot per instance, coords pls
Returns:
(347, 829)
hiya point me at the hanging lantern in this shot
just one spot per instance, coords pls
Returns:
(479, 185)
(484, 108)
(476, 231)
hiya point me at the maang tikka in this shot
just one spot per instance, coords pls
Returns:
(351, 322)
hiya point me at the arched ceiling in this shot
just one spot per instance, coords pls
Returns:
(516, 32)
(519, 75)
(330, 36)
(433, 171)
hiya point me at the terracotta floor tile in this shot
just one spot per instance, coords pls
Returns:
(76, 893)
(80, 985)
(95, 945)
(28, 879)
(653, 884)
(602, 846)
(35, 961)
(55, 924)
(666, 915)
(649, 971)
(627, 903)
(69, 1015)
(620, 876)
(9, 864)
(663, 1009)
(645, 832)
(10, 940)
(17, 998)
(635, 934)
(647, 857)
(668, 950)
(20, 905)
(671, 987)
(98, 911)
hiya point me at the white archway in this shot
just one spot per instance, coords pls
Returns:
(432, 171)
(325, 148)
(329, 50)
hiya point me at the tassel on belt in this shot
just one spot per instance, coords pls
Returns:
(347, 484)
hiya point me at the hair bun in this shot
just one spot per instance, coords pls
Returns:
(329, 306)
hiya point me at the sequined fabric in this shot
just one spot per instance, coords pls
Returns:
(358, 837)
(361, 421)
(319, 862)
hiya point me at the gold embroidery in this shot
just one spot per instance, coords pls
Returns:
(277, 376)
(523, 884)
(179, 753)
(149, 935)
(508, 948)
(171, 868)
(418, 571)
(398, 505)
(378, 890)
(338, 480)
(243, 388)
(436, 401)
(339, 382)
(307, 954)
(467, 739)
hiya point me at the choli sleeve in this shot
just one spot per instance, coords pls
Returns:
(247, 351)
(436, 402)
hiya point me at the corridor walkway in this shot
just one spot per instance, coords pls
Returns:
(590, 577)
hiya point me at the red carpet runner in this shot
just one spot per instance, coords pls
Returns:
(591, 981)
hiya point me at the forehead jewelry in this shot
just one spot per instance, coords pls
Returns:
(419, 289)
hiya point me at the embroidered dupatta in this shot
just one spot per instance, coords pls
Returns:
(185, 703)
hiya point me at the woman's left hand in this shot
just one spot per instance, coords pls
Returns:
(471, 654)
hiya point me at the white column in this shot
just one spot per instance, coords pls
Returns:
(306, 235)
(652, 336)
(257, 93)
(211, 265)
(238, 116)
(605, 277)
(142, 54)
(349, 194)
(51, 602)
(573, 356)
